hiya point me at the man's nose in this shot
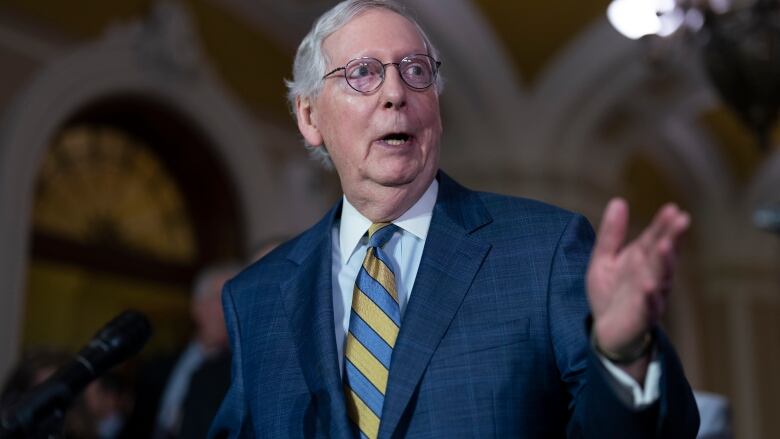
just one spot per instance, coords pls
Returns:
(394, 89)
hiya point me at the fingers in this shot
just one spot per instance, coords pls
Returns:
(612, 231)
(665, 229)
(658, 245)
(629, 283)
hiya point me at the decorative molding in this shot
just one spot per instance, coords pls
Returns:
(157, 58)
(36, 43)
(285, 21)
(167, 40)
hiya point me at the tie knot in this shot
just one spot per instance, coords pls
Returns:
(380, 233)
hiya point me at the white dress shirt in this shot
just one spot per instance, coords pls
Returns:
(349, 244)
(349, 249)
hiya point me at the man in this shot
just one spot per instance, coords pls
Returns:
(466, 316)
(715, 416)
(179, 396)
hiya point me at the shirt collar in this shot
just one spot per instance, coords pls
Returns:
(416, 221)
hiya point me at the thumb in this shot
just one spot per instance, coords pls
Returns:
(612, 231)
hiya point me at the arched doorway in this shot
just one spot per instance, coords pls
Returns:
(130, 202)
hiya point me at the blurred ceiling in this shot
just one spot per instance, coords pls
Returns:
(251, 42)
(534, 31)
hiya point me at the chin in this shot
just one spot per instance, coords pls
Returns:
(395, 180)
(400, 179)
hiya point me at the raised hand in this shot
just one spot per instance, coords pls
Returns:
(628, 283)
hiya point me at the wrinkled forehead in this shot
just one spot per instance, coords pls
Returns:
(378, 33)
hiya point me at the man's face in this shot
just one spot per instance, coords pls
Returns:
(385, 139)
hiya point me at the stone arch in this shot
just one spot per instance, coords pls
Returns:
(483, 99)
(616, 80)
(157, 58)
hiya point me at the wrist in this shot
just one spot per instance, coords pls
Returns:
(629, 354)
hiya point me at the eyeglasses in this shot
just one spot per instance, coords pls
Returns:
(367, 74)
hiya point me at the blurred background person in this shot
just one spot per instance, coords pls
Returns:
(178, 396)
(34, 368)
(101, 410)
(714, 415)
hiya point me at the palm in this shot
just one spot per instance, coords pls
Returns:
(627, 284)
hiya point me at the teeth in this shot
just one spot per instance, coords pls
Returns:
(395, 142)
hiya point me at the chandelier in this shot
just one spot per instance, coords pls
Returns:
(739, 43)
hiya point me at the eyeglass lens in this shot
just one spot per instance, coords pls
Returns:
(366, 74)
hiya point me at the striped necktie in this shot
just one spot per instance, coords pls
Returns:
(373, 328)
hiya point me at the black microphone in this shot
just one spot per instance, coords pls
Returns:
(119, 339)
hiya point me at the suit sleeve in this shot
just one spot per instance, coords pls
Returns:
(595, 409)
(233, 420)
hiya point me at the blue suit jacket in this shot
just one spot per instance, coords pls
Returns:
(493, 342)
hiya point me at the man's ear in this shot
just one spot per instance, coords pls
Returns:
(307, 121)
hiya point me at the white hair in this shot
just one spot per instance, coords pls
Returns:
(311, 61)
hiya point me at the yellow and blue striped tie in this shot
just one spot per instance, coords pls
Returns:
(373, 328)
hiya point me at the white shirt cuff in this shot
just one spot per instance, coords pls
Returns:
(645, 395)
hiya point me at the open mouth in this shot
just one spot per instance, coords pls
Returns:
(396, 139)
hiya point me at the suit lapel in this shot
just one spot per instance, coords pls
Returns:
(449, 263)
(308, 303)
